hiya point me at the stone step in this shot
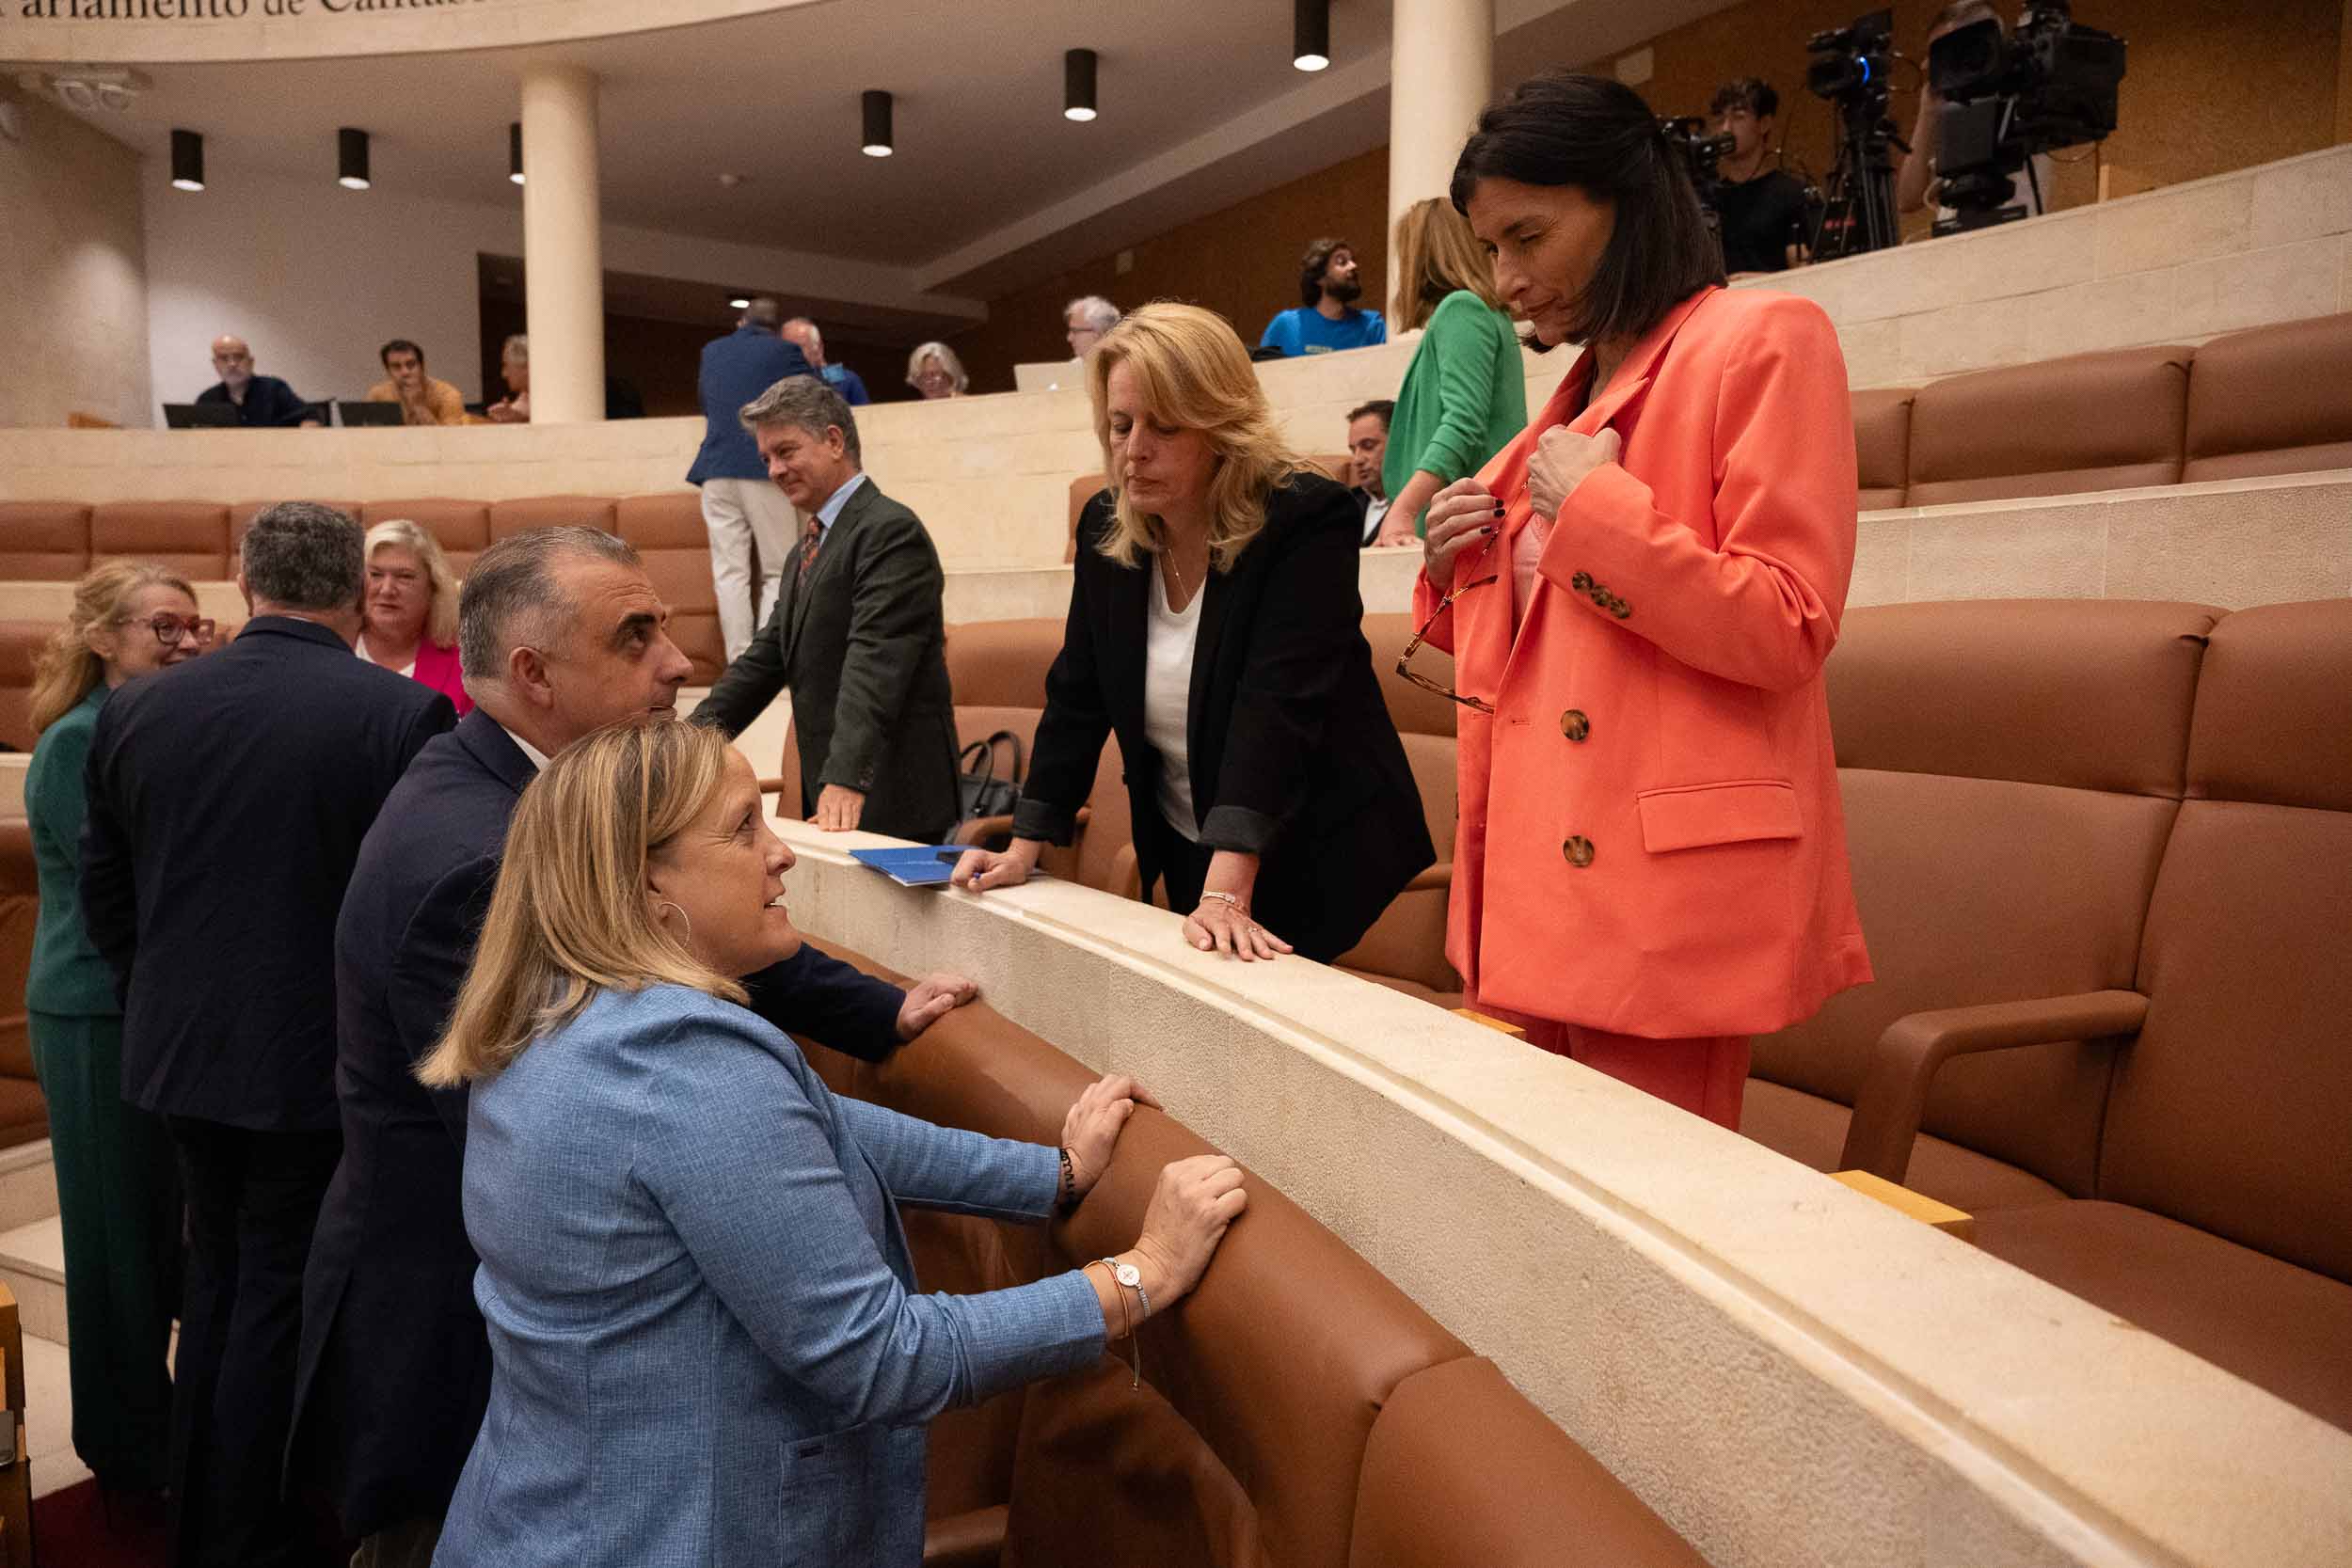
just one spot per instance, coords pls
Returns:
(32, 1264)
(28, 1185)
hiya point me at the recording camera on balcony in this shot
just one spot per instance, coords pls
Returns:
(1851, 66)
(2008, 96)
(1702, 154)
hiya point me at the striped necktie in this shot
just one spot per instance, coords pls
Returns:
(810, 539)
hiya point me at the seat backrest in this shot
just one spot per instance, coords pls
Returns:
(1882, 445)
(2010, 770)
(1463, 1472)
(43, 541)
(2233, 1109)
(1407, 942)
(668, 533)
(461, 527)
(2277, 400)
(189, 537)
(2058, 427)
(20, 912)
(21, 643)
(1082, 490)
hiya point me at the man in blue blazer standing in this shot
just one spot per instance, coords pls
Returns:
(739, 505)
(560, 633)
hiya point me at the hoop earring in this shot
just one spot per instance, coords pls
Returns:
(665, 904)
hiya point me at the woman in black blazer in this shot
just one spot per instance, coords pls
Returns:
(1215, 625)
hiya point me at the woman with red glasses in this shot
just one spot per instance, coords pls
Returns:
(1639, 593)
(118, 1191)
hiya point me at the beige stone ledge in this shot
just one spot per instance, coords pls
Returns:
(1791, 1373)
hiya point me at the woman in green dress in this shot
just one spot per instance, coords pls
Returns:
(1465, 393)
(118, 1191)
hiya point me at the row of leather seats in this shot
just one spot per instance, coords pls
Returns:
(1299, 1410)
(2123, 820)
(56, 541)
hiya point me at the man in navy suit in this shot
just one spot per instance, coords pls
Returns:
(227, 798)
(559, 633)
(739, 505)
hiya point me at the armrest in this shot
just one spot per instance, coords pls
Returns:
(1894, 1095)
(772, 786)
(1439, 874)
(982, 830)
(974, 1539)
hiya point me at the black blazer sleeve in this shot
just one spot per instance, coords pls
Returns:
(750, 681)
(109, 895)
(1078, 720)
(1306, 640)
(894, 614)
(429, 964)
(833, 1003)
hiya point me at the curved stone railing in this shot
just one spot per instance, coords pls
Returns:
(1789, 1373)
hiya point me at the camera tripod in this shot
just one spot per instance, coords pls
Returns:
(1858, 201)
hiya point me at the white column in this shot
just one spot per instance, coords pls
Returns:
(1441, 74)
(563, 250)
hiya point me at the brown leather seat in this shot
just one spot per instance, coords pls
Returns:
(23, 1115)
(2090, 422)
(461, 527)
(1406, 946)
(668, 532)
(2277, 400)
(21, 643)
(43, 541)
(2010, 774)
(997, 670)
(1881, 444)
(189, 537)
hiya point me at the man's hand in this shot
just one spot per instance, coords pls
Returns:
(936, 997)
(838, 811)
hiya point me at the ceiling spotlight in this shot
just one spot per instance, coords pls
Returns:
(730, 179)
(351, 159)
(876, 140)
(738, 304)
(187, 161)
(1077, 84)
(515, 151)
(1311, 34)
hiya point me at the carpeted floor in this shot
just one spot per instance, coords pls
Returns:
(71, 1530)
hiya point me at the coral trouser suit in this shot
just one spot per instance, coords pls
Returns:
(1650, 855)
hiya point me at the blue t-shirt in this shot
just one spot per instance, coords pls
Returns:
(846, 381)
(1307, 331)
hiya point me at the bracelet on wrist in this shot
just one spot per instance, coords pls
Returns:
(1240, 906)
(1065, 1195)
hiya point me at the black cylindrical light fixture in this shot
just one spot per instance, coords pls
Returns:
(1077, 84)
(187, 161)
(1311, 34)
(351, 159)
(515, 151)
(877, 141)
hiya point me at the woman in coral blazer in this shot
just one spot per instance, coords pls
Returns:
(1639, 593)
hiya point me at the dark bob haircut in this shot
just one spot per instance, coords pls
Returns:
(399, 346)
(1597, 134)
(1313, 265)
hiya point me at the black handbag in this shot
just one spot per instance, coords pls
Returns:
(981, 792)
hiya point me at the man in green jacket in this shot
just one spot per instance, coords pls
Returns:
(858, 634)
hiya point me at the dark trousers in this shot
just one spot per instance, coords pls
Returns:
(1185, 873)
(252, 1201)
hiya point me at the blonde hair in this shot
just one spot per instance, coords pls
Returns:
(570, 917)
(68, 668)
(1438, 254)
(440, 621)
(1196, 376)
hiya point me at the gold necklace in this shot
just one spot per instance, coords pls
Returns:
(1167, 565)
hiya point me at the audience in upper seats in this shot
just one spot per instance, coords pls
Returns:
(227, 801)
(118, 1191)
(741, 507)
(859, 636)
(1086, 319)
(802, 333)
(514, 369)
(1215, 626)
(710, 1345)
(1465, 393)
(412, 623)
(1667, 877)
(1916, 182)
(260, 400)
(1366, 449)
(934, 370)
(1328, 319)
(422, 399)
(564, 634)
(1762, 209)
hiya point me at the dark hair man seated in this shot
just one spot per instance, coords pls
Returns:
(1366, 449)
(422, 399)
(1761, 204)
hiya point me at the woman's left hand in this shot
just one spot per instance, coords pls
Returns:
(1230, 929)
(1090, 1130)
(1562, 458)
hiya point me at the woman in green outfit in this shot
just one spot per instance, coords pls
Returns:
(1465, 395)
(118, 1190)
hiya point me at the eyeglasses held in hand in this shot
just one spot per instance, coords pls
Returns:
(169, 628)
(1404, 661)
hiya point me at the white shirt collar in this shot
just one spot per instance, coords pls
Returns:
(829, 513)
(538, 758)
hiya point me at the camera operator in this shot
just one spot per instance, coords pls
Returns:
(1916, 181)
(1762, 208)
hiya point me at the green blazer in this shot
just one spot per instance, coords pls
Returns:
(1463, 397)
(68, 976)
(861, 644)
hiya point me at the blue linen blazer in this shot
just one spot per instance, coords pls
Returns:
(707, 1343)
(734, 369)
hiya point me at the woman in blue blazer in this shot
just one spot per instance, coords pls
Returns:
(705, 1340)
